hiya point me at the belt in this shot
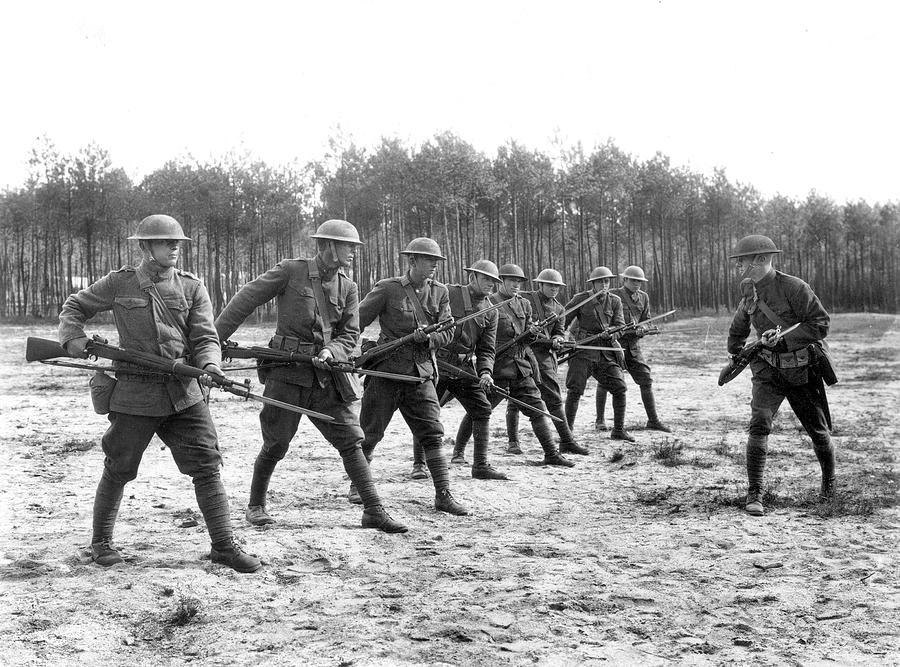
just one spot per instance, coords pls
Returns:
(795, 359)
(455, 358)
(293, 344)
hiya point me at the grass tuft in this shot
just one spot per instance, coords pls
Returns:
(669, 452)
(185, 611)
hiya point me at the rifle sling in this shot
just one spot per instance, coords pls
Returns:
(148, 286)
(321, 302)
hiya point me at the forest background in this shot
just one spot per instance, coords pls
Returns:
(572, 209)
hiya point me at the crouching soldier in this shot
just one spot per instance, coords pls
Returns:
(167, 312)
(318, 314)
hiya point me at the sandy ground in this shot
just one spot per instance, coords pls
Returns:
(632, 557)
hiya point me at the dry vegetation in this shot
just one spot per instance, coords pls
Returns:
(640, 554)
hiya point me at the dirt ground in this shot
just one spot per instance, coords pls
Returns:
(639, 555)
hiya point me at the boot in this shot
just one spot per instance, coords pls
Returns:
(257, 515)
(105, 554)
(512, 424)
(567, 444)
(824, 450)
(618, 431)
(756, 465)
(557, 459)
(512, 447)
(353, 495)
(486, 471)
(377, 517)
(445, 502)
(653, 422)
(234, 557)
(572, 399)
(463, 433)
(419, 471)
(600, 423)
(459, 456)
(552, 457)
(481, 432)
(263, 468)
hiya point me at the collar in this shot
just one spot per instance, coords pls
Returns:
(152, 269)
(766, 279)
(326, 273)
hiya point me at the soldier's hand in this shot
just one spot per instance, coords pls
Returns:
(211, 373)
(321, 360)
(640, 331)
(76, 348)
(770, 338)
(556, 342)
(486, 382)
(420, 336)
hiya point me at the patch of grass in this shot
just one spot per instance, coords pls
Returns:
(76, 445)
(669, 452)
(48, 385)
(653, 496)
(722, 448)
(700, 462)
(185, 611)
(616, 456)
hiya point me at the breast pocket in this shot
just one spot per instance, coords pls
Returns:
(133, 317)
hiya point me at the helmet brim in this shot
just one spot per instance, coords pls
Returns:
(423, 254)
(755, 252)
(643, 280)
(339, 239)
(159, 237)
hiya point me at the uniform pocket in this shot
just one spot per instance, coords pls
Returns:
(131, 302)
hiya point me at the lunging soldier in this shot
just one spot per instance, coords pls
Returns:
(403, 305)
(636, 309)
(544, 304)
(790, 366)
(595, 318)
(164, 311)
(515, 369)
(318, 314)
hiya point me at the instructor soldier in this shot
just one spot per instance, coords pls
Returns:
(790, 366)
(318, 314)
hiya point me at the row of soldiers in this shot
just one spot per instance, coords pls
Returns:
(505, 346)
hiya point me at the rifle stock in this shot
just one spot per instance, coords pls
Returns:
(742, 359)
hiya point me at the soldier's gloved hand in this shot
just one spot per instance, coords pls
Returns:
(770, 338)
(420, 336)
(211, 371)
(321, 360)
(486, 381)
(76, 348)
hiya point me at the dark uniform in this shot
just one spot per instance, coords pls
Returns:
(142, 404)
(294, 282)
(636, 308)
(514, 371)
(471, 349)
(391, 301)
(789, 370)
(595, 317)
(548, 383)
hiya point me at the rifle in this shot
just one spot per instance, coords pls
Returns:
(41, 349)
(231, 350)
(742, 359)
(455, 372)
(612, 331)
(547, 321)
(437, 327)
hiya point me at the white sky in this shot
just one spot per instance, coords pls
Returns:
(787, 96)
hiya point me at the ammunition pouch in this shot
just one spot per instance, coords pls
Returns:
(289, 343)
(102, 387)
(795, 359)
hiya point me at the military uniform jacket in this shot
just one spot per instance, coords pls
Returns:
(142, 328)
(595, 317)
(298, 328)
(473, 340)
(543, 307)
(635, 308)
(515, 362)
(390, 303)
(792, 300)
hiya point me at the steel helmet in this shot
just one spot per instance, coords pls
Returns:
(512, 271)
(551, 277)
(159, 228)
(755, 244)
(337, 230)
(486, 268)
(635, 273)
(423, 246)
(599, 273)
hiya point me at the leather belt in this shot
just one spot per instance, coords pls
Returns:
(293, 344)
(795, 359)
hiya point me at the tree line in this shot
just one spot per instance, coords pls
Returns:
(571, 210)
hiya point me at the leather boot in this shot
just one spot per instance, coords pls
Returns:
(445, 502)
(653, 422)
(567, 444)
(481, 469)
(463, 434)
(552, 457)
(105, 554)
(600, 399)
(353, 495)
(512, 423)
(618, 431)
(257, 515)
(824, 449)
(377, 517)
(419, 471)
(512, 447)
(756, 465)
(572, 399)
(231, 555)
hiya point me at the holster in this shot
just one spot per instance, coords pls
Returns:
(102, 387)
(824, 362)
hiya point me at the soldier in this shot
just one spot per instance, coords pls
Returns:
(636, 308)
(788, 367)
(544, 304)
(318, 314)
(515, 369)
(164, 311)
(403, 305)
(471, 349)
(594, 318)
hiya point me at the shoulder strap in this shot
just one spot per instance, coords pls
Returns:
(539, 310)
(149, 287)
(416, 304)
(600, 313)
(629, 304)
(770, 313)
(322, 314)
(514, 319)
(467, 300)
